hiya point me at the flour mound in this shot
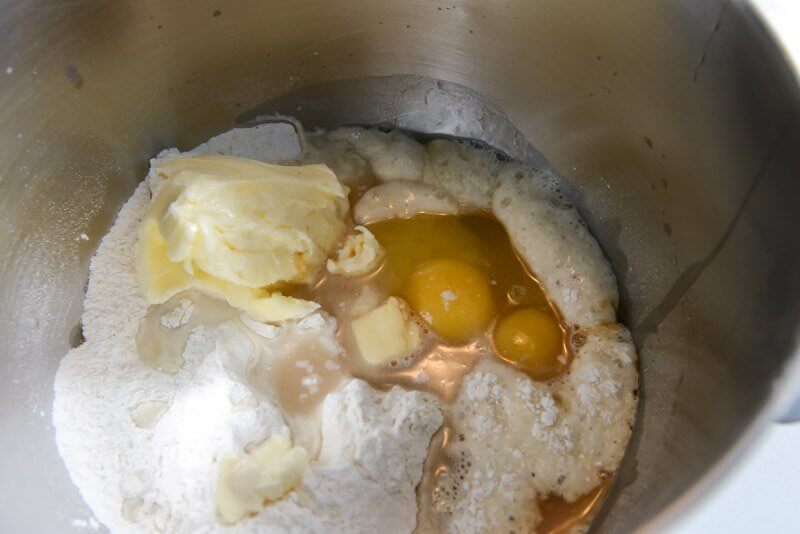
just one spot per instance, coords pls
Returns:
(143, 446)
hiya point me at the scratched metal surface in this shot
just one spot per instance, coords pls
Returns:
(675, 122)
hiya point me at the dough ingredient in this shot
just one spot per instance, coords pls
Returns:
(143, 446)
(387, 334)
(249, 479)
(359, 255)
(233, 227)
(453, 297)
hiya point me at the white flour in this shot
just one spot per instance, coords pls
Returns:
(142, 445)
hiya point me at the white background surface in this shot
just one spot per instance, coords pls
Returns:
(762, 494)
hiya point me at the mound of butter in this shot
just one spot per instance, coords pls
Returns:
(234, 228)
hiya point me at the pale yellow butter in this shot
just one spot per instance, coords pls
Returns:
(248, 481)
(234, 228)
(360, 254)
(387, 333)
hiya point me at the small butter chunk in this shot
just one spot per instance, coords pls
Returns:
(249, 481)
(234, 228)
(387, 333)
(360, 254)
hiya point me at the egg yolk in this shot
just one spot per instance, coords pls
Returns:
(453, 297)
(532, 339)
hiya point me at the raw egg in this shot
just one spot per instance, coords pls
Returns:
(476, 239)
(531, 339)
(459, 273)
(453, 297)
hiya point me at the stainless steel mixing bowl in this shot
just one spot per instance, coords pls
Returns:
(676, 121)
